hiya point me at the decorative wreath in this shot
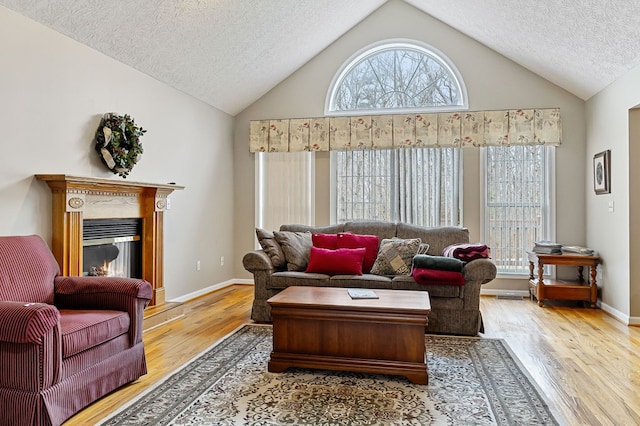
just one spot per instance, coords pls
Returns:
(118, 143)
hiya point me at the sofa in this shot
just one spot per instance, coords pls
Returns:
(64, 341)
(455, 309)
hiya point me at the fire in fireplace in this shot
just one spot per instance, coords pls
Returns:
(112, 247)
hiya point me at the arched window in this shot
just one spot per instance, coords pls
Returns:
(412, 185)
(396, 76)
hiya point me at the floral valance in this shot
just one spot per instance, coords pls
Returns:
(449, 129)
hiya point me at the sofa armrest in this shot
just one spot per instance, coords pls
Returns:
(257, 260)
(482, 270)
(120, 294)
(26, 322)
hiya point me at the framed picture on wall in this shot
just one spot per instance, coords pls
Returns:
(602, 172)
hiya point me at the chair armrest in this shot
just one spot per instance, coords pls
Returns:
(22, 322)
(120, 294)
(482, 270)
(257, 260)
(99, 292)
(133, 287)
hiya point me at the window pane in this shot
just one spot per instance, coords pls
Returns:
(396, 77)
(413, 185)
(516, 208)
(363, 183)
(417, 186)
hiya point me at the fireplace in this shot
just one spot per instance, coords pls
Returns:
(83, 208)
(112, 247)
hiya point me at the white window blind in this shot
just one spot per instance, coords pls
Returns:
(415, 185)
(285, 183)
(517, 203)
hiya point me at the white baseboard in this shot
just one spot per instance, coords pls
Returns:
(503, 293)
(620, 316)
(211, 288)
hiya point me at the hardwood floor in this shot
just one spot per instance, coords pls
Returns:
(586, 363)
(207, 320)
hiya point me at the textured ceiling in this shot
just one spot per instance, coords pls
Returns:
(580, 45)
(229, 53)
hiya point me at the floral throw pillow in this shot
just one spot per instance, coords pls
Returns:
(395, 256)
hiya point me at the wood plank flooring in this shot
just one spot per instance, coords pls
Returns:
(586, 363)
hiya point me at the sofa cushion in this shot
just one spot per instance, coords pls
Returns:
(296, 247)
(329, 229)
(395, 256)
(82, 330)
(380, 228)
(369, 242)
(339, 261)
(271, 246)
(280, 280)
(360, 281)
(437, 238)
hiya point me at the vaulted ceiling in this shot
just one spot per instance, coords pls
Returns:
(228, 52)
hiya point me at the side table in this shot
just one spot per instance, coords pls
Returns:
(578, 289)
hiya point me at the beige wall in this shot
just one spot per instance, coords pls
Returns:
(493, 82)
(53, 91)
(612, 124)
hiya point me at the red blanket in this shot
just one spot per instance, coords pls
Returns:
(467, 252)
(436, 277)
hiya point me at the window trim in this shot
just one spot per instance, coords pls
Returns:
(355, 59)
(550, 178)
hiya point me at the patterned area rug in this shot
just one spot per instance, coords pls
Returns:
(472, 381)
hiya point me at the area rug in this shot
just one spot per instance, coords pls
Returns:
(472, 381)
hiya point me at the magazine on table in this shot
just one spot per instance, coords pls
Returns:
(362, 293)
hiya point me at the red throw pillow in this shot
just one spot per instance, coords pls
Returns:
(369, 242)
(327, 241)
(341, 261)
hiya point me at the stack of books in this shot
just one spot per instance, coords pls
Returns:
(547, 247)
(577, 250)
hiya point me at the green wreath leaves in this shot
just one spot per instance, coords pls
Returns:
(118, 142)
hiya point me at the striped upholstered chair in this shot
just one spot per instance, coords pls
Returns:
(64, 341)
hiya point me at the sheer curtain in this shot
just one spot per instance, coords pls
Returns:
(285, 182)
(427, 186)
(413, 185)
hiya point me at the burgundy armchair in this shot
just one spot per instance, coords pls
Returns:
(64, 341)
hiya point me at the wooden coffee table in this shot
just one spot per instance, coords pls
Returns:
(322, 327)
